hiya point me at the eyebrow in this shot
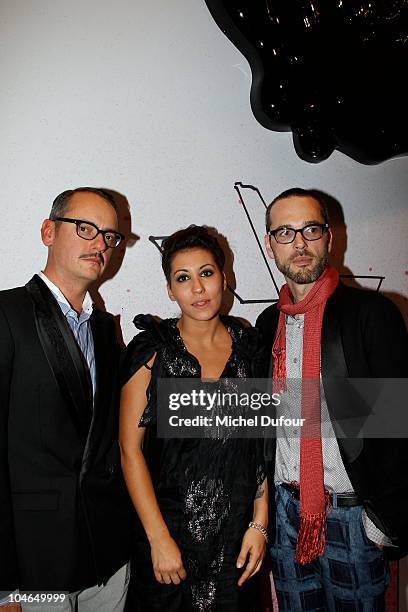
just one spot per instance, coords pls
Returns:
(94, 224)
(200, 268)
(305, 224)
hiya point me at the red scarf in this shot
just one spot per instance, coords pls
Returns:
(311, 535)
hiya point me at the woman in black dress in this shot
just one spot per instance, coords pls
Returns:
(201, 503)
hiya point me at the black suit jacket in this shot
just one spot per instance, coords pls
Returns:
(363, 336)
(64, 510)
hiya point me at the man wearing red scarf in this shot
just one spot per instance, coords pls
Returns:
(341, 503)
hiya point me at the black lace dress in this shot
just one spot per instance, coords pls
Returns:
(205, 487)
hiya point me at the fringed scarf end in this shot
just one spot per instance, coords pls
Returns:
(311, 537)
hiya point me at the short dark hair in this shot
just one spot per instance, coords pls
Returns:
(60, 204)
(299, 193)
(192, 237)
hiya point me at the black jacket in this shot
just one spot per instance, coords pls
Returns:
(363, 336)
(64, 510)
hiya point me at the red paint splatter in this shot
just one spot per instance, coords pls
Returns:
(406, 272)
(127, 290)
(369, 269)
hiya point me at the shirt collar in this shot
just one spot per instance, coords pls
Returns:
(297, 319)
(87, 304)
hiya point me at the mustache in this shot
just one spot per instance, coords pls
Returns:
(301, 253)
(98, 254)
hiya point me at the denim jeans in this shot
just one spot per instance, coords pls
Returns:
(351, 575)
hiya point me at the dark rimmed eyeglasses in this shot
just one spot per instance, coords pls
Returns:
(286, 235)
(89, 231)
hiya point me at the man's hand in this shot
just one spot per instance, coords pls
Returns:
(167, 562)
(254, 545)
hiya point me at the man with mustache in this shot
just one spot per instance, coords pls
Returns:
(64, 511)
(340, 501)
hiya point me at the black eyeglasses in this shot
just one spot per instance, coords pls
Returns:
(89, 231)
(286, 235)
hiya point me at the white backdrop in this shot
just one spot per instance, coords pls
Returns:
(151, 100)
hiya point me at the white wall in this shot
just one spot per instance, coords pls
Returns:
(151, 100)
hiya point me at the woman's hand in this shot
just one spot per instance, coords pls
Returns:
(254, 545)
(167, 563)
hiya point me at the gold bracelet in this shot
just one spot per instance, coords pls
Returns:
(260, 528)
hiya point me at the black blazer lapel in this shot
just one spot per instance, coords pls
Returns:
(106, 361)
(340, 396)
(63, 355)
(267, 324)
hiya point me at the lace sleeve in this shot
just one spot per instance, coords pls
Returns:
(137, 354)
(143, 346)
(149, 416)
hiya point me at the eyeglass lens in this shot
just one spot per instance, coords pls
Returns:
(88, 232)
(310, 232)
